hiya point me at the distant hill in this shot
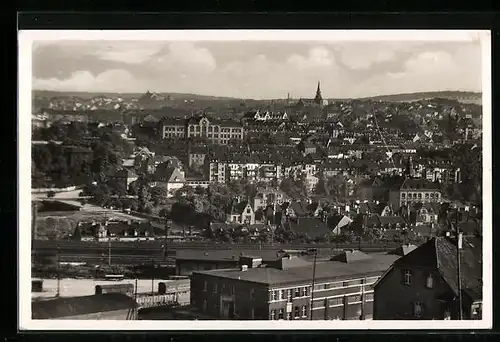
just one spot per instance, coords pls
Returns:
(125, 96)
(461, 96)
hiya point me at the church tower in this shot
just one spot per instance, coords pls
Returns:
(318, 99)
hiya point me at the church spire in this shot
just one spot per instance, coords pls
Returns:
(318, 97)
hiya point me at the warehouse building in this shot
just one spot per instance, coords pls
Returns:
(341, 288)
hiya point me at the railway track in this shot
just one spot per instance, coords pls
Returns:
(156, 246)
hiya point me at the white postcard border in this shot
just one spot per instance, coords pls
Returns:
(25, 40)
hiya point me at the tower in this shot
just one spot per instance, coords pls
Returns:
(318, 99)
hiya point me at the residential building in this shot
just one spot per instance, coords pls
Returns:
(241, 212)
(171, 177)
(265, 197)
(424, 283)
(414, 191)
(124, 176)
(284, 290)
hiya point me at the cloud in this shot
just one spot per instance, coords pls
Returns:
(316, 57)
(135, 55)
(186, 57)
(257, 70)
(82, 80)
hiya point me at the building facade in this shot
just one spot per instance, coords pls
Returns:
(415, 191)
(216, 131)
(342, 290)
(423, 284)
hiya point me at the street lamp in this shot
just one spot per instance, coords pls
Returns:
(167, 228)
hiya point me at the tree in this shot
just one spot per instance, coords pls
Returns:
(199, 191)
(159, 194)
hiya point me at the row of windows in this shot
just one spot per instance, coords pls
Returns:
(407, 279)
(211, 129)
(337, 285)
(298, 311)
(224, 288)
(288, 294)
(419, 195)
(339, 301)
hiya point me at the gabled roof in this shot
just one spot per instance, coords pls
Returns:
(73, 306)
(350, 256)
(440, 253)
(403, 250)
(419, 184)
(310, 226)
(238, 208)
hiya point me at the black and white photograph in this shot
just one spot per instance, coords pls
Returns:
(288, 179)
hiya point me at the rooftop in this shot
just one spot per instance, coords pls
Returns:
(374, 265)
(73, 306)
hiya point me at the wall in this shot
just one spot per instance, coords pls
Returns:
(186, 268)
(239, 292)
(394, 299)
(42, 190)
(128, 314)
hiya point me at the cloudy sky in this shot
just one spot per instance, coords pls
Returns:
(253, 69)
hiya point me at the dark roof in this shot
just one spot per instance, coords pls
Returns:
(311, 226)
(419, 184)
(73, 306)
(238, 207)
(350, 256)
(324, 270)
(441, 253)
(225, 255)
(402, 250)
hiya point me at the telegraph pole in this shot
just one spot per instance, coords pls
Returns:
(459, 275)
(152, 277)
(58, 272)
(313, 281)
(109, 252)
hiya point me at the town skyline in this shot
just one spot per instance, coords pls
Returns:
(257, 70)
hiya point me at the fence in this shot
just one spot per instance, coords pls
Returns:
(42, 190)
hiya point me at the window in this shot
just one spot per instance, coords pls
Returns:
(252, 293)
(298, 292)
(289, 295)
(326, 286)
(354, 299)
(276, 295)
(248, 210)
(417, 309)
(318, 287)
(368, 297)
(215, 288)
(345, 284)
(289, 316)
(281, 313)
(233, 290)
(304, 310)
(336, 301)
(282, 294)
(297, 312)
(273, 314)
(252, 313)
(306, 291)
(272, 295)
(427, 195)
(204, 305)
(403, 195)
(204, 286)
(419, 195)
(430, 281)
(407, 279)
